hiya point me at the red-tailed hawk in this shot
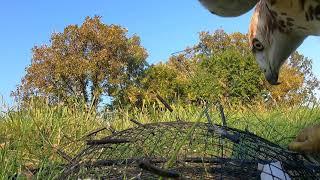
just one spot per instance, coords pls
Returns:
(277, 27)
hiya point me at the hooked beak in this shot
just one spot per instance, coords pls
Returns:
(272, 78)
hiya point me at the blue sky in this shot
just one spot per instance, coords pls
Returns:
(164, 26)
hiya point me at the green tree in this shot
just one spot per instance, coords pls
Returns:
(223, 69)
(165, 80)
(84, 62)
(230, 77)
(243, 76)
(221, 66)
(298, 83)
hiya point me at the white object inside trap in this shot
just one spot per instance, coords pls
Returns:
(273, 171)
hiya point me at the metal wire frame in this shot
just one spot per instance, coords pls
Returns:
(212, 151)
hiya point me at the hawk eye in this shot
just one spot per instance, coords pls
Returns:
(257, 45)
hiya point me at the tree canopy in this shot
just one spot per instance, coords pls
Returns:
(222, 67)
(84, 62)
(95, 60)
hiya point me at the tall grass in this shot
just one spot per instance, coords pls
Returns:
(39, 136)
(279, 125)
(33, 138)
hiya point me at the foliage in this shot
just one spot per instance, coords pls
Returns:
(93, 61)
(165, 80)
(84, 62)
(222, 67)
(229, 77)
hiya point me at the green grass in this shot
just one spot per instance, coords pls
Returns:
(29, 139)
(34, 138)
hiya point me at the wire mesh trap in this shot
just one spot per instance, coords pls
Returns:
(209, 152)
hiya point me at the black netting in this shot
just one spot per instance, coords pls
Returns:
(208, 152)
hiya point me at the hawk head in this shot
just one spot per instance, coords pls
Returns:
(270, 40)
(271, 43)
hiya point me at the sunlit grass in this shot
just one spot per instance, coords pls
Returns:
(31, 139)
(35, 137)
(278, 125)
